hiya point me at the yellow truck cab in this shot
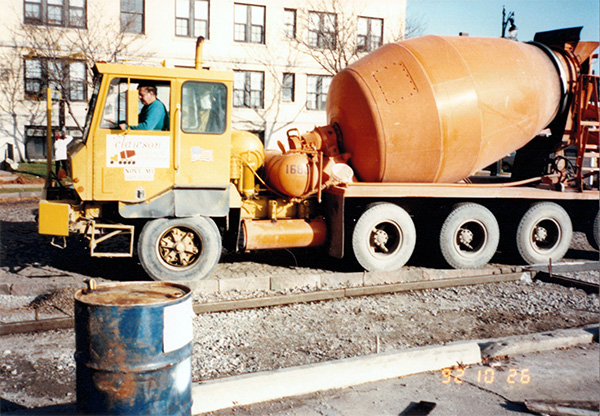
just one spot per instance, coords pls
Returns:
(180, 171)
(141, 168)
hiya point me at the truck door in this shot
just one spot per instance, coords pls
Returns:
(132, 165)
(202, 143)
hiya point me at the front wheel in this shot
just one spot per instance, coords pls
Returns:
(384, 238)
(469, 236)
(544, 233)
(180, 249)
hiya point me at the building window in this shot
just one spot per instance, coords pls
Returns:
(191, 18)
(288, 87)
(316, 91)
(249, 23)
(67, 77)
(132, 16)
(289, 23)
(370, 34)
(248, 89)
(322, 30)
(67, 13)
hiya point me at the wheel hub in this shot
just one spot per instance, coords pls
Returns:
(178, 247)
(540, 234)
(465, 237)
(380, 239)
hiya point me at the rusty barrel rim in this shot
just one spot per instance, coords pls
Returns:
(134, 294)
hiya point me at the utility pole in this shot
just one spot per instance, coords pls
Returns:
(512, 29)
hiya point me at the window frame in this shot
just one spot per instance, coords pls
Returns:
(191, 20)
(66, 17)
(46, 81)
(320, 95)
(291, 89)
(248, 90)
(248, 25)
(127, 27)
(368, 46)
(290, 27)
(225, 107)
(320, 38)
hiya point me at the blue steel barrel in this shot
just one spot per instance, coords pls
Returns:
(134, 348)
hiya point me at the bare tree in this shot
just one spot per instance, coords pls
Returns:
(12, 102)
(275, 64)
(65, 57)
(414, 25)
(328, 34)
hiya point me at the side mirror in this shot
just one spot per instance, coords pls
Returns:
(132, 108)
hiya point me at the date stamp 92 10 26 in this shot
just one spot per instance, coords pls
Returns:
(486, 376)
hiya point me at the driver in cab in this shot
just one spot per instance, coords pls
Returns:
(153, 115)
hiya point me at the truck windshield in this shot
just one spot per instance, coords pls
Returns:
(91, 107)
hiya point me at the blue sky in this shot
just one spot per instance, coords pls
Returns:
(484, 17)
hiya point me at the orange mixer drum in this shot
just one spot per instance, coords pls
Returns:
(437, 109)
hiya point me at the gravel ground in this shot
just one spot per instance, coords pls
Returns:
(39, 369)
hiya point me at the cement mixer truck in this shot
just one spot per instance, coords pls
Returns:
(411, 127)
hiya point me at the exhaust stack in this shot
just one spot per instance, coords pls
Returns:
(199, 45)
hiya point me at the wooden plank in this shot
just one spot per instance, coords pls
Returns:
(349, 292)
(33, 326)
(579, 266)
(588, 287)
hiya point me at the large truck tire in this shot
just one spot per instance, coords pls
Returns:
(384, 238)
(179, 249)
(544, 233)
(469, 236)
(593, 232)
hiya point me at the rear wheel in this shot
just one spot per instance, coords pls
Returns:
(593, 232)
(544, 233)
(469, 236)
(384, 238)
(182, 249)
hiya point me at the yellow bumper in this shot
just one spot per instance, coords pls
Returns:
(53, 218)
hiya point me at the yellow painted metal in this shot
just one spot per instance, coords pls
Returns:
(212, 170)
(49, 146)
(199, 47)
(95, 179)
(235, 199)
(132, 107)
(81, 164)
(53, 218)
(100, 233)
(267, 234)
(437, 109)
(261, 207)
(247, 156)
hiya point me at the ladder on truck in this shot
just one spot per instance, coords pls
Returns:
(585, 132)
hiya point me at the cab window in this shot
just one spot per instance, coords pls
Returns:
(203, 107)
(116, 102)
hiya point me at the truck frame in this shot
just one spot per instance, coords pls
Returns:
(178, 197)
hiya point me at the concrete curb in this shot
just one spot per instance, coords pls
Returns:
(313, 282)
(543, 341)
(270, 385)
(339, 280)
(20, 195)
